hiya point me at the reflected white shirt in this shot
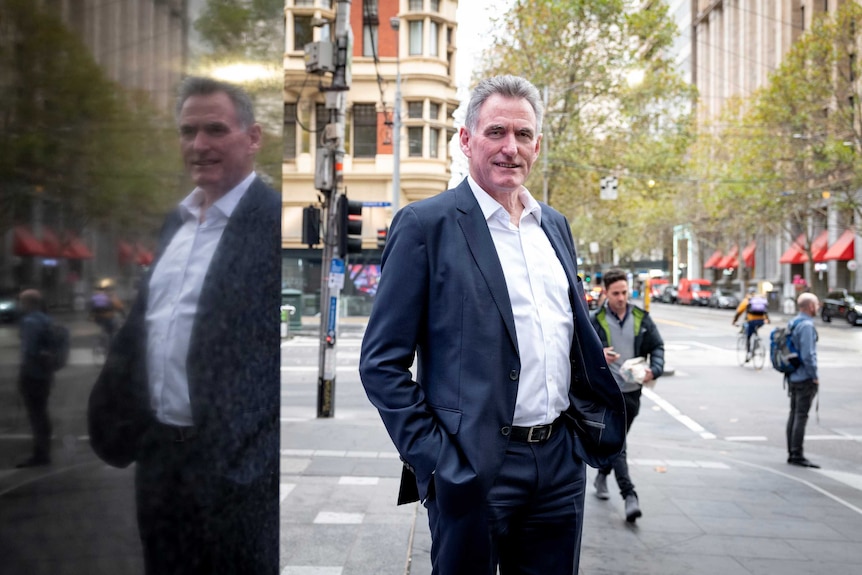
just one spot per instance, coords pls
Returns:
(174, 291)
(539, 293)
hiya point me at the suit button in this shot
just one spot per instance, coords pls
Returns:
(513, 375)
(506, 431)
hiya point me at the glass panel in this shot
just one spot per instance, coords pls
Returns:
(289, 135)
(415, 5)
(435, 5)
(434, 39)
(365, 130)
(302, 32)
(433, 143)
(416, 38)
(414, 109)
(433, 111)
(369, 40)
(414, 137)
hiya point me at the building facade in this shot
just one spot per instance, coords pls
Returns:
(735, 46)
(411, 38)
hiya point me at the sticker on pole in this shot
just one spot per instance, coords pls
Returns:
(336, 274)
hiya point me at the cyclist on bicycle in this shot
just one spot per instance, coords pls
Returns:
(755, 306)
(105, 307)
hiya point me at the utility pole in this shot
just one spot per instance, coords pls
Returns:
(320, 58)
(395, 23)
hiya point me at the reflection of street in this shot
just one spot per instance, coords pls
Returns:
(76, 515)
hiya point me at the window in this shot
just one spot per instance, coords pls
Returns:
(289, 134)
(370, 26)
(414, 140)
(303, 3)
(415, 39)
(433, 111)
(434, 38)
(434, 143)
(364, 130)
(321, 118)
(302, 32)
(416, 5)
(414, 109)
(435, 5)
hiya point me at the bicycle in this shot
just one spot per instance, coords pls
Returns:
(757, 353)
(101, 346)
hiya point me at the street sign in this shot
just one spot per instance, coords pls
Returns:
(376, 204)
(336, 274)
(333, 311)
(608, 188)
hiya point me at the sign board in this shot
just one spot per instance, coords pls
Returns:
(608, 188)
(333, 314)
(852, 265)
(376, 204)
(594, 247)
(336, 274)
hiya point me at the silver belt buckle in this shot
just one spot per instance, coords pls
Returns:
(544, 433)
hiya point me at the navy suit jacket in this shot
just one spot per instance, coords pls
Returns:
(442, 296)
(234, 353)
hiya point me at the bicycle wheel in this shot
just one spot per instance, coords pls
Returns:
(740, 348)
(100, 349)
(758, 353)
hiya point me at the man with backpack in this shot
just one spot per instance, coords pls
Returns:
(756, 309)
(36, 374)
(802, 382)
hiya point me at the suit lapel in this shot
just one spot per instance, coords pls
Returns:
(563, 254)
(481, 246)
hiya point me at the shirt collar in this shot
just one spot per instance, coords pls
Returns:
(620, 320)
(490, 206)
(191, 205)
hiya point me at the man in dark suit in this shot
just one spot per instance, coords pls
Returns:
(512, 392)
(190, 389)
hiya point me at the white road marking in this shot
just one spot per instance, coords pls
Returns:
(284, 490)
(339, 518)
(677, 414)
(303, 570)
(351, 480)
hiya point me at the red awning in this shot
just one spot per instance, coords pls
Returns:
(125, 252)
(748, 255)
(77, 250)
(25, 243)
(145, 256)
(713, 259)
(51, 243)
(729, 261)
(795, 254)
(819, 247)
(843, 249)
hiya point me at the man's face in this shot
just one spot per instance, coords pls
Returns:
(503, 146)
(618, 296)
(218, 152)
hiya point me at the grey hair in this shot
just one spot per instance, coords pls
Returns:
(508, 86)
(201, 86)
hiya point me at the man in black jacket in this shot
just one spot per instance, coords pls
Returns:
(35, 375)
(626, 332)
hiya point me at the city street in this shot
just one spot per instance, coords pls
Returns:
(707, 456)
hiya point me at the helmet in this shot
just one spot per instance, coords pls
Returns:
(106, 283)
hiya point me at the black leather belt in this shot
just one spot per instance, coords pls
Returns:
(536, 433)
(175, 433)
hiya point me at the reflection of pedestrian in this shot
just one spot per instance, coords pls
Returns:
(511, 395)
(36, 375)
(803, 383)
(190, 390)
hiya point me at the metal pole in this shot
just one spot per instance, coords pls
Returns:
(545, 150)
(395, 22)
(332, 268)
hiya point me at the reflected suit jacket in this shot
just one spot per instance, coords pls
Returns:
(442, 295)
(234, 353)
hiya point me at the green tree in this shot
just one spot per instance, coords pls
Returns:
(598, 122)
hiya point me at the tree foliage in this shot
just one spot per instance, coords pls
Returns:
(597, 121)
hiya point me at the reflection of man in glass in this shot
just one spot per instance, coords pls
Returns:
(190, 390)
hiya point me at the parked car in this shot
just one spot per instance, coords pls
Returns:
(8, 306)
(668, 294)
(694, 291)
(842, 303)
(723, 299)
(656, 286)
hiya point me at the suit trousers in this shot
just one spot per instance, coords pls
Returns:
(35, 393)
(530, 523)
(620, 466)
(193, 521)
(801, 397)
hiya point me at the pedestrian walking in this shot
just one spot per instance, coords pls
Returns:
(36, 374)
(190, 390)
(512, 393)
(803, 383)
(626, 332)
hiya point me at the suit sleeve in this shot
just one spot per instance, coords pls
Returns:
(395, 330)
(654, 347)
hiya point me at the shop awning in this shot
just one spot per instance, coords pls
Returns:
(748, 255)
(729, 261)
(819, 247)
(77, 250)
(51, 243)
(795, 254)
(843, 249)
(713, 259)
(125, 252)
(144, 256)
(25, 243)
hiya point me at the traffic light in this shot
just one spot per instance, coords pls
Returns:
(349, 226)
(310, 226)
(382, 233)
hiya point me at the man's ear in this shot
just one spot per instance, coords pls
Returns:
(255, 134)
(464, 139)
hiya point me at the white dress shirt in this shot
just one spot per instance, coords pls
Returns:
(539, 293)
(174, 291)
